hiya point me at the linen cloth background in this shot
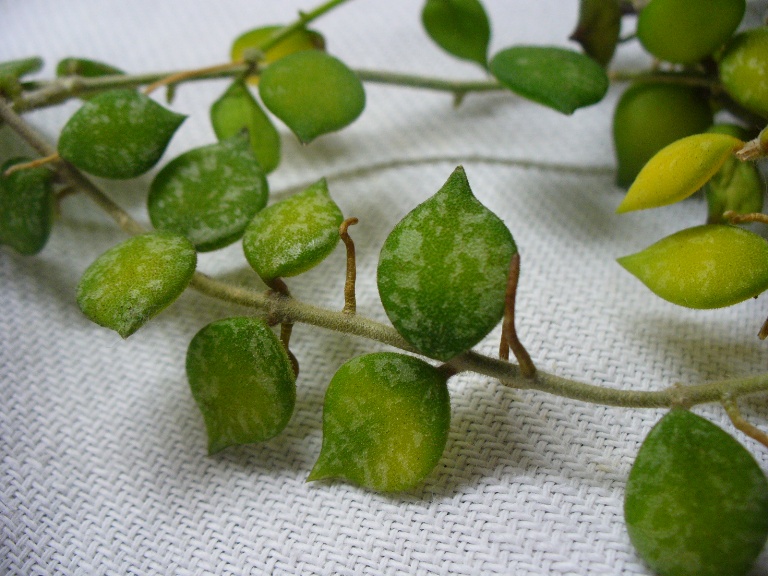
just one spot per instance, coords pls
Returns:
(103, 466)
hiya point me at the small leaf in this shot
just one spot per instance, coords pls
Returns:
(678, 170)
(293, 235)
(443, 271)
(386, 419)
(118, 134)
(460, 27)
(209, 194)
(86, 68)
(237, 110)
(132, 282)
(708, 266)
(297, 41)
(313, 93)
(598, 28)
(27, 207)
(15, 69)
(696, 502)
(561, 79)
(242, 381)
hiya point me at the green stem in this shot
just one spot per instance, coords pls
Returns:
(290, 310)
(428, 83)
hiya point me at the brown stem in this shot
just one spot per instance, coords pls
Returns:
(509, 339)
(190, 74)
(33, 164)
(741, 423)
(350, 300)
(736, 218)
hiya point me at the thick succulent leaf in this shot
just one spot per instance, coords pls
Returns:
(132, 282)
(598, 28)
(708, 266)
(241, 378)
(460, 27)
(27, 206)
(209, 194)
(293, 235)
(561, 79)
(678, 170)
(313, 93)
(297, 41)
(443, 271)
(118, 134)
(386, 419)
(696, 502)
(237, 110)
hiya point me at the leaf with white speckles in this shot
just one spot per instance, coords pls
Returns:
(118, 134)
(132, 282)
(696, 502)
(209, 194)
(294, 235)
(386, 419)
(443, 271)
(242, 380)
(26, 208)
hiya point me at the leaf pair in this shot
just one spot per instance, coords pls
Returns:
(555, 77)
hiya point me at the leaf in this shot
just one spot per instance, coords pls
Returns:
(561, 79)
(460, 27)
(293, 235)
(386, 419)
(15, 69)
(598, 28)
(242, 381)
(443, 270)
(297, 41)
(209, 194)
(85, 67)
(313, 93)
(696, 502)
(27, 206)
(134, 281)
(678, 170)
(118, 134)
(708, 266)
(237, 110)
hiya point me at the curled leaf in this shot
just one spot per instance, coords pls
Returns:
(293, 235)
(118, 134)
(386, 419)
(313, 93)
(27, 206)
(460, 27)
(209, 194)
(134, 281)
(237, 110)
(678, 170)
(443, 270)
(561, 79)
(241, 378)
(598, 28)
(708, 266)
(696, 502)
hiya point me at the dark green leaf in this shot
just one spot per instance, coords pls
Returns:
(85, 67)
(561, 79)
(460, 27)
(598, 28)
(27, 207)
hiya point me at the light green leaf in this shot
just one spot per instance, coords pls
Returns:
(460, 27)
(27, 207)
(561, 79)
(209, 194)
(134, 281)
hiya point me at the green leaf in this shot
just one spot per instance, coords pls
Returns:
(443, 271)
(134, 281)
(313, 93)
(696, 502)
(297, 41)
(386, 419)
(293, 235)
(27, 206)
(237, 110)
(118, 134)
(242, 381)
(708, 266)
(209, 194)
(598, 28)
(15, 69)
(561, 79)
(678, 170)
(460, 27)
(85, 67)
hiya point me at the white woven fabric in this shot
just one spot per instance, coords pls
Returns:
(103, 465)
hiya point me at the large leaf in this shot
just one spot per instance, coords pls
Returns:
(561, 79)
(460, 27)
